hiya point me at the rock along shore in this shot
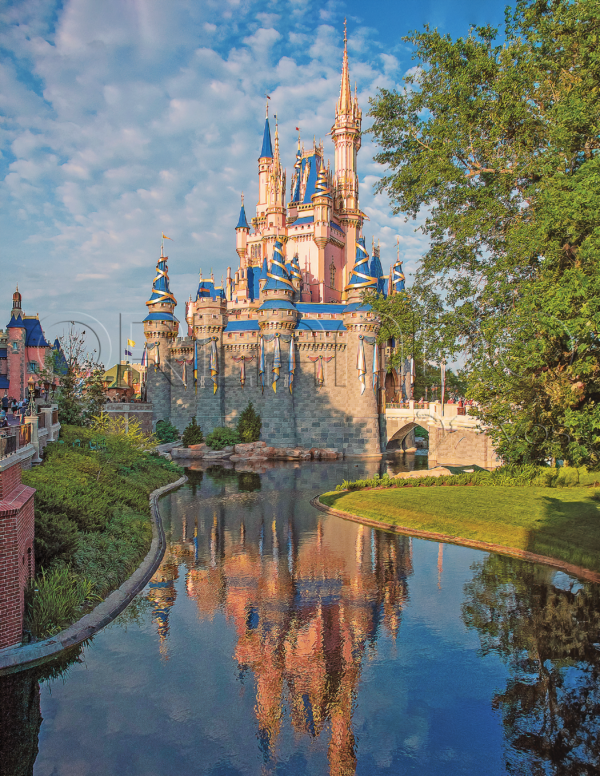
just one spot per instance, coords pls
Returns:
(254, 453)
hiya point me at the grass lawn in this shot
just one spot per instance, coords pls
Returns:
(562, 523)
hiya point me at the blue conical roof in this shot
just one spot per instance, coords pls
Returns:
(160, 287)
(242, 222)
(295, 268)
(377, 273)
(267, 148)
(397, 279)
(277, 275)
(206, 289)
(298, 173)
(361, 276)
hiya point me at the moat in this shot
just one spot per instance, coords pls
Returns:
(278, 640)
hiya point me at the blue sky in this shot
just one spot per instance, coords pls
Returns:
(122, 118)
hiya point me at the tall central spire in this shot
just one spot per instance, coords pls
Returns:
(345, 101)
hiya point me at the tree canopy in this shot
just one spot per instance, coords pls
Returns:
(495, 142)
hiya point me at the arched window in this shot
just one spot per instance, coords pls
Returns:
(332, 275)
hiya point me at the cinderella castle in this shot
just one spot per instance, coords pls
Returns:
(288, 329)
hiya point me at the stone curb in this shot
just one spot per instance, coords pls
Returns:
(21, 658)
(513, 552)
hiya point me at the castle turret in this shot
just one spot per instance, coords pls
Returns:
(397, 280)
(161, 325)
(16, 308)
(277, 309)
(321, 201)
(362, 325)
(264, 164)
(242, 230)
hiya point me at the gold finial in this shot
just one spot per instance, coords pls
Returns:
(212, 275)
(345, 36)
(162, 246)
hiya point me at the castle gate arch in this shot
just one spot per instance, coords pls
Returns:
(403, 438)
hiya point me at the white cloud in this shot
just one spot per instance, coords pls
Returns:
(127, 117)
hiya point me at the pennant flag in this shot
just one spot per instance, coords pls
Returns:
(214, 366)
(375, 367)
(157, 355)
(276, 362)
(361, 364)
(196, 366)
(166, 238)
(130, 343)
(128, 353)
(261, 364)
(292, 362)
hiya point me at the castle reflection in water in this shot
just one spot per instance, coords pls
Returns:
(308, 594)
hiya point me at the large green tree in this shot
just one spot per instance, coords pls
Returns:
(495, 144)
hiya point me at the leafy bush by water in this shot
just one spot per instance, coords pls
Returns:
(249, 424)
(221, 437)
(192, 434)
(166, 431)
(55, 600)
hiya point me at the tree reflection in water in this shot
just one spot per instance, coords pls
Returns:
(549, 638)
(304, 614)
(20, 715)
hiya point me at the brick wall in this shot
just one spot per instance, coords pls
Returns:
(16, 551)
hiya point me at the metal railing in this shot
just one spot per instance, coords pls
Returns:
(42, 420)
(54, 417)
(8, 444)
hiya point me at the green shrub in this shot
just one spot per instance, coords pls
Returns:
(56, 538)
(221, 437)
(421, 432)
(192, 434)
(568, 477)
(166, 431)
(249, 424)
(55, 600)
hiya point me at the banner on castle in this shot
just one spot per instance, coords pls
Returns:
(214, 365)
(196, 367)
(361, 364)
(261, 364)
(241, 360)
(375, 367)
(320, 371)
(183, 370)
(276, 362)
(292, 362)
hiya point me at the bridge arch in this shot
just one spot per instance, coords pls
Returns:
(398, 440)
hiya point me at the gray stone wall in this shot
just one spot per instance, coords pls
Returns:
(332, 415)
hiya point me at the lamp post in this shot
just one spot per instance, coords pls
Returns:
(31, 386)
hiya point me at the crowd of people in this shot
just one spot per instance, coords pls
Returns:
(14, 408)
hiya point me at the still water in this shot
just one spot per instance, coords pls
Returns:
(275, 639)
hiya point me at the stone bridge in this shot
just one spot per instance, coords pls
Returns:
(455, 438)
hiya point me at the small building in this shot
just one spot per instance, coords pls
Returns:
(24, 355)
(122, 382)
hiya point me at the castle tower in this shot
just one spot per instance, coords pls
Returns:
(276, 190)
(322, 215)
(160, 331)
(346, 133)
(242, 230)
(264, 167)
(16, 308)
(397, 280)
(362, 325)
(160, 325)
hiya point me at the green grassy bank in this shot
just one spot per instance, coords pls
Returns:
(562, 523)
(92, 521)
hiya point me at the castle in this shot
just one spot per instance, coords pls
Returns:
(288, 330)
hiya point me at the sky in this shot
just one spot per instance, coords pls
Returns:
(123, 119)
